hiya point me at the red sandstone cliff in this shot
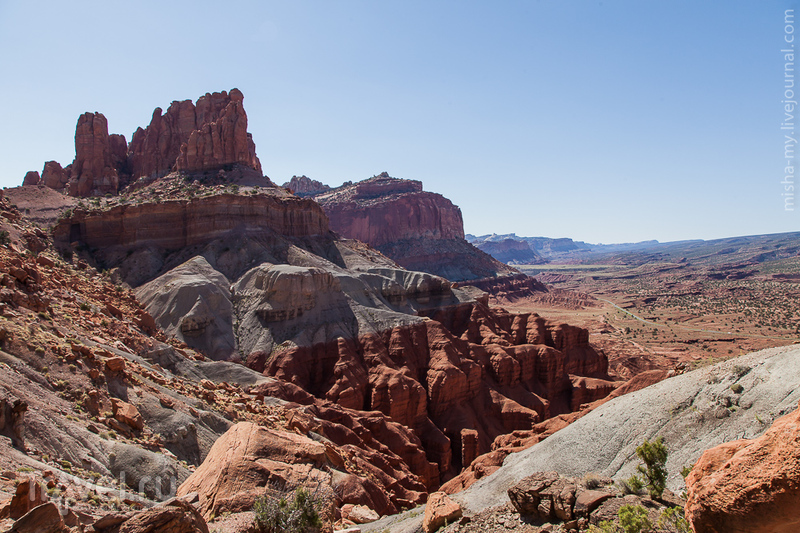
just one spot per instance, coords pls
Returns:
(420, 230)
(180, 223)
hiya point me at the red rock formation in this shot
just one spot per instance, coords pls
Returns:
(221, 141)
(31, 178)
(382, 210)
(190, 222)
(749, 485)
(305, 186)
(93, 172)
(419, 230)
(207, 135)
(440, 510)
(154, 150)
(54, 176)
(458, 383)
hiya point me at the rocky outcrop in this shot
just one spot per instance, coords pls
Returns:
(383, 210)
(54, 176)
(749, 485)
(305, 186)
(220, 138)
(93, 171)
(154, 150)
(420, 230)
(210, 134)
(191, 222)
(31, 178)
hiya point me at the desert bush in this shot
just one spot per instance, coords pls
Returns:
(631, 519)
(288, 511)
(672, 520)
(632, 485)
(654, 470)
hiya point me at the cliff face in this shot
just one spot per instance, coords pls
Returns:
(209, 135)
(383, 210)
(420, 230)
(181, 223)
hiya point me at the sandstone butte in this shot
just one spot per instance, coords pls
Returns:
(420, 230)
(209, 134)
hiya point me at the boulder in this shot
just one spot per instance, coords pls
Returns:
(439, 510)
(27, 495)
(127, 414)
(246, 460)
(45, 518)
(749, 485)
(176, 516)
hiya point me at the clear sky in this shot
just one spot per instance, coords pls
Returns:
(604, 121)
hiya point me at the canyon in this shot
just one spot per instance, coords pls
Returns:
(187, 337)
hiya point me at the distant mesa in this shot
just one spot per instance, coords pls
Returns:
(511, 252)
(209, 134)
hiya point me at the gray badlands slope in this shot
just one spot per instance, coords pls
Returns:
(694, 411)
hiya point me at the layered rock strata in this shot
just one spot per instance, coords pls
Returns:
(190, 222)
(420, 230)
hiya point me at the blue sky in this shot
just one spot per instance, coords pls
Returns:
(608, 121)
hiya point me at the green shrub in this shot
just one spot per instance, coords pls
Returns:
(672, 520)
(737, 388)
(289, 512)
(654, 470)
(632, 519)
(632, 485)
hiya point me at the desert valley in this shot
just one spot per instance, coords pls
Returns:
(187, 346)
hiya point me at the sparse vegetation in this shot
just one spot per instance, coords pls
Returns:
(653, 473)
(289, 511)
(632, 519)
